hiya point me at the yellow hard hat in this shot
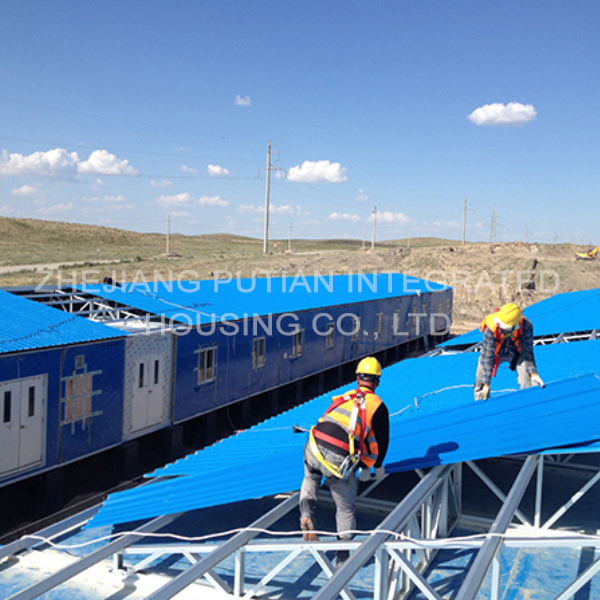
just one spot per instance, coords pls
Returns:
(369, 366)
(509, 314)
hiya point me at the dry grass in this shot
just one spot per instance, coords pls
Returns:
(137, 255)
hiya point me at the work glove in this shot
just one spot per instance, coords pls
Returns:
(537, 380)
(364, 475)
(481, 392)
(379, 473)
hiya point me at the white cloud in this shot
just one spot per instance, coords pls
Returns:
(48, 210)
(217, 171)
(391, 217)
(59, 162)
(6, 210)
(185, 199)
(245, 101)
(113, 199)
(105, 163)
(181, 149)
(26, 190)
(248, 208)
(180, 214)
(362, 197)
(161, 184)
(53, 162)
(177, 200)
(318, 171)
(286, 209)
(513, 113)
(212, 201)
(98, 184)
(344, 217)
(187, 169)
(110, 199)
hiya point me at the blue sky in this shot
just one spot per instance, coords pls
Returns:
(121, 113)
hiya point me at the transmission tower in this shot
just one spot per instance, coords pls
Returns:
(493, 224)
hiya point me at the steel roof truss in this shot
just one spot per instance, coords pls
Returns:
(223, 551)
(45, 585)
(496, 490)
(396, 520)
(478, 571)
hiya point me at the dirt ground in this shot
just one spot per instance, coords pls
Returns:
(484, 276)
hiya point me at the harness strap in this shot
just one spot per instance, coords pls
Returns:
(347, 467)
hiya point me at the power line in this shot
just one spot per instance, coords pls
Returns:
(127, 121)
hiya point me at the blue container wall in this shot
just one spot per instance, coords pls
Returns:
(90, 408)
(237, 378)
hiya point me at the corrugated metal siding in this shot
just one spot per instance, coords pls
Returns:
(563, 313)
(434, 420)
(199, 301)
(27, 325)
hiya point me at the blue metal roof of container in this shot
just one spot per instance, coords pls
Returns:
(29, 325)
(562, 313)
(231, 299)
(433, 420)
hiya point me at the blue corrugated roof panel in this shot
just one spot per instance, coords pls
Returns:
(433, 419)
(261, 296)
(27, 325)
(563, 313)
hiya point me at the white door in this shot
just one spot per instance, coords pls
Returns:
(155, 390)
(22, 417)
(11, 421)
(33, 405)
(148, 392)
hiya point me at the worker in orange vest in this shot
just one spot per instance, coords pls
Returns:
(353, 433)
(507, 337)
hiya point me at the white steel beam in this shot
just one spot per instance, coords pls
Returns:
(226, 549)
(474, 578)
(45, 585)
(393, 522)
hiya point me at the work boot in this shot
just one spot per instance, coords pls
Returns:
(306, 524)
(341, 556)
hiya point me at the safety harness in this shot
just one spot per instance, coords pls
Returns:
(350, 462)
(500, 337)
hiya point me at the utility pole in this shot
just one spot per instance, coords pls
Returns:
(374, 222)
(269, 168)
(526, 234)
(168, 232)
(290, 239)
(266, 235)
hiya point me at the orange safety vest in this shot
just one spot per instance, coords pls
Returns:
(340, 412)
(490, 323)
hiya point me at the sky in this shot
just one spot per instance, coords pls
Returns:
(128, 114)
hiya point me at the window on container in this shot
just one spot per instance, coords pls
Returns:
(378, 318)
(31, 404)
(141, 370)
(206, 364)
(330, 338)
(298, 341)
(258, 354)
(156, 371)
(355, 328)
(7, 406)
(80, 361)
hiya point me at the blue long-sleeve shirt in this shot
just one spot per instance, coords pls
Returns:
(487, 356)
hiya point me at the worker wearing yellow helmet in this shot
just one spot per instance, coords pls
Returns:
(353, 433)
(507, 337)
